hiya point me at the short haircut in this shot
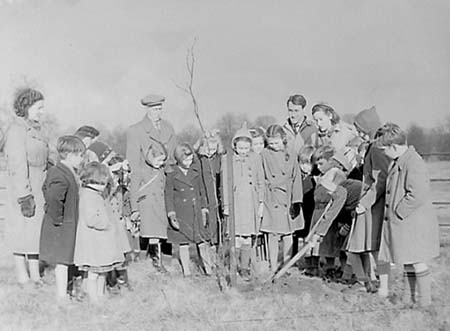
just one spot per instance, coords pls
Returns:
(95, 173)
(69, 144)
(24, 99)
(328, 110)
(324, 152)
(306, 154)
(391, 134)
(276, 130)
(243, 138)
(297, 99)
(182, 151)
(87, 131)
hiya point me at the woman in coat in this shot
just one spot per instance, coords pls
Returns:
(410, 235)
(283, 194)
(26, 152)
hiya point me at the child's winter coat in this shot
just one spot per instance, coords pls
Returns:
(210, 171)
(185, 195)
(248, 191)
(96, 243)
(283, 187)
(59, 226)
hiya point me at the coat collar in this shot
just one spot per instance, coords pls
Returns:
(404, 159)
(186, 179)
(67, 172)
(299, 127)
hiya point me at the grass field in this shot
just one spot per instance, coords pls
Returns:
(173, 303)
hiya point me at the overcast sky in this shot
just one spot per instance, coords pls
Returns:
(94, 60)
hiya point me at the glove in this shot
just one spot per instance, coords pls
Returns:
(27, 205)
(173, 220)
(344, 230)
(295, 209)
(205, 213)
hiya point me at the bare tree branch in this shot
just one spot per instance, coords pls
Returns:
(190, 66)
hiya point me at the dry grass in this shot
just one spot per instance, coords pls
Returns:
(174, 303)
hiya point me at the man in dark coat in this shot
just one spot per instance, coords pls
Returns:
(151, 136)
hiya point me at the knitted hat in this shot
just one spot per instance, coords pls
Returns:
(368, 121)
(243, 132)
(101, 150)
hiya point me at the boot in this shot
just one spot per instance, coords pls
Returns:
(123, 281)
(154, 251)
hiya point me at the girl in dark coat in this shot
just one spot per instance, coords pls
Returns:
(186, 208)
(57, 242)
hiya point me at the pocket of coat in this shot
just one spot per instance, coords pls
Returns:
(141, 198)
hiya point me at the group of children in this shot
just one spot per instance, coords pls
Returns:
(273, 193)
(84, 230)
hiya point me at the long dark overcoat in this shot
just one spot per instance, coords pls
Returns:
(210, 170)
(410, 230)
(185, 195)
(59, 226)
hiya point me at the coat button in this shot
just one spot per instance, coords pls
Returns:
(182, 190)
(385, 218)
(192, 188)
(184, 200)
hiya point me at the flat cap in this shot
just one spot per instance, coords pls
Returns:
(152, 100)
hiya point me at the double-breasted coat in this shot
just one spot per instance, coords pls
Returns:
(248, 190)
(147, 183)
(26, 152)
(59, 225)
(283, 187)
(185, 195)
(410, 231)
(210, 170)
(97, 232)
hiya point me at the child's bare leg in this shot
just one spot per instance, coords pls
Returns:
(423, 279)
(246, 253)
(204, 251)
(21, 268)
(61, 281)
(288, 244)
(91, 287)
(273, 250)
(101, 280)
(383, 269)
(33, 265)
(184, 259)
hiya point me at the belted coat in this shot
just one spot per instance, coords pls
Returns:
(410, 231)
(283, 187)
(26, 152)
(147, 183)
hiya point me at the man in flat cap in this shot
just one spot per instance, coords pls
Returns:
(297, 126)
(150, 146)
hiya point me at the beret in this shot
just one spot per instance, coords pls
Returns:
(152, 100)
(101, 150)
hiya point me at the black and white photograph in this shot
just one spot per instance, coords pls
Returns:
(224, 165)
